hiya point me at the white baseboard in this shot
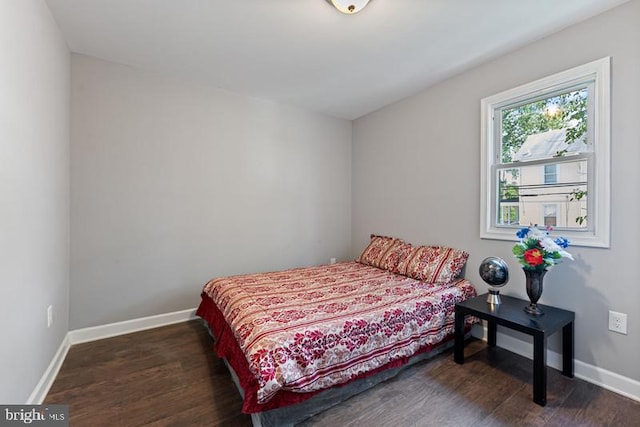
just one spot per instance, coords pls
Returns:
(45, 383)
(601, 377)
(94, 333)
(97, 333)
(593, 374)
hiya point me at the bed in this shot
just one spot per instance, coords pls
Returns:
(298, 341)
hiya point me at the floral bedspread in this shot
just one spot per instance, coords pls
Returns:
(307, 329)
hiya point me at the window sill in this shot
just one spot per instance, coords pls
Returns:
(576, 238)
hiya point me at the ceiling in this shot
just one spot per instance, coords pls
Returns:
(306, 53)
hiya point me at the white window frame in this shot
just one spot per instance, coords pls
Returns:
(598, 234)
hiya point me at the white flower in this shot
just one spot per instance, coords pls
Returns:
(536, 233)
(565, 254)
(549, 245)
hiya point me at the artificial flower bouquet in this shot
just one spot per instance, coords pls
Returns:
(536, 250)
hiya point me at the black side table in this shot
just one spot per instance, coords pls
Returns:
(511, 314)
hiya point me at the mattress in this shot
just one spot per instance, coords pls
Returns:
(289, 335)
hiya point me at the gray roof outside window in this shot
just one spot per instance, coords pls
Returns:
(546, 144)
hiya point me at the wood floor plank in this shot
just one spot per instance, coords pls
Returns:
(165, 376)
(170, 376)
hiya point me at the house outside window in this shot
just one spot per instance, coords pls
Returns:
(545, 156)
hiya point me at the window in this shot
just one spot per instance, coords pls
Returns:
(550, 174)
(509, 214)
(550, 216)
(545, 156)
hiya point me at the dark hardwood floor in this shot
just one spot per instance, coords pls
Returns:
(170, 377)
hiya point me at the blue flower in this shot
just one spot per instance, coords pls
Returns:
(522, 233)
(562, 242)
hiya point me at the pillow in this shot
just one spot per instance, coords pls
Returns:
(397, 256)
(433, 264)
(378, 250)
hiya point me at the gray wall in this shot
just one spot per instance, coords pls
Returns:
(173, 184)
(416, 175)
(34, 194)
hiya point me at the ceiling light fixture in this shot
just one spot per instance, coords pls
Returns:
(349, 6)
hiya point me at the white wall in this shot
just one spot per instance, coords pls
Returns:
(416, 175)
(34, 194)
(173, 184)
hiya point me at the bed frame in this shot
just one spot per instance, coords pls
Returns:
(289, 416)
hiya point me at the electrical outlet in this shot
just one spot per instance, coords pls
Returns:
(49, 316)
(618, 322)
(332, 261)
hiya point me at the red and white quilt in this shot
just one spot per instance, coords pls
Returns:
(308, 329)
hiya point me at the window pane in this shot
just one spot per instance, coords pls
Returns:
(562, 203)
(551, 127)
(550, 215)
(550, 174)
(509, 214)
(508, 184)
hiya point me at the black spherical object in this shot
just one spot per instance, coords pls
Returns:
(494, 271)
